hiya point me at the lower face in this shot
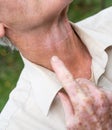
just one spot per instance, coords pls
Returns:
(25, 13)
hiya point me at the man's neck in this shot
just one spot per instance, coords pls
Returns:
(39, 45)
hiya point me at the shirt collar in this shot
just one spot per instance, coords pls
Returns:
(96, 34)
(44, 84)
(96, 42)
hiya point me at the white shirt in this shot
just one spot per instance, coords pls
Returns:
(33, 104)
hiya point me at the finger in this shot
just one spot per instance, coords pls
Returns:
(64, 76)
(67, 105)
(68, 110)
(62, 72)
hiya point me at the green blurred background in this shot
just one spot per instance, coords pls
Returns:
(10, 61)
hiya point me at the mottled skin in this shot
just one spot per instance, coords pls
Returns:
(86, 106)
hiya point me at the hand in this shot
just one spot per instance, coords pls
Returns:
(86, 106)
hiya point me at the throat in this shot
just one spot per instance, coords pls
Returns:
(68, 47)
(58, 39)
(72, 51)
(79, 61)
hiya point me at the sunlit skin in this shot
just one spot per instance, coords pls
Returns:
(40, 30)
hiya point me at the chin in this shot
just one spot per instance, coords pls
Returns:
(66, 2)
(69, 1)
(63, 4)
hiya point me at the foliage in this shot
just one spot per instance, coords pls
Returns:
(10, 67)
(11, 63)
(80, 9)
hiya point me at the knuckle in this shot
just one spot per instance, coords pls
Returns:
(80, 81)
(67, 79)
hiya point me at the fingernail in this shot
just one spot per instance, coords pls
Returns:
(55, 59)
